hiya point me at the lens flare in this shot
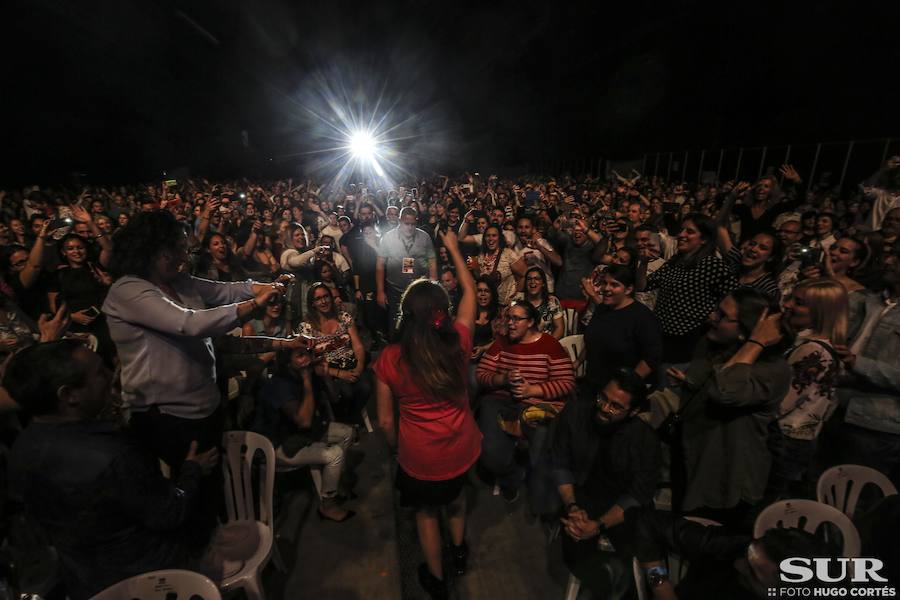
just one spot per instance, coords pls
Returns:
(362, 145)
(354, 129)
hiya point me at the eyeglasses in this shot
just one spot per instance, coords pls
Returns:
(515, 319)
(608, 405)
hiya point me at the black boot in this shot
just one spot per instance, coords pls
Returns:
(436, 588)
(460, 556)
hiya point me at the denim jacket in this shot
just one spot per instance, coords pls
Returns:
(872, 392)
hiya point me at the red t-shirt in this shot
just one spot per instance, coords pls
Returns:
(438, 439)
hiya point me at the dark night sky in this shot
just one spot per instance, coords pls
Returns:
(121, 89)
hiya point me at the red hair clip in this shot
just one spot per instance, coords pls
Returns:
(438, 318)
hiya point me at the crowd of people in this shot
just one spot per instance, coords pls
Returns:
(738, 339)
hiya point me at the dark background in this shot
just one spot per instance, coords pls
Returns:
(121, 90)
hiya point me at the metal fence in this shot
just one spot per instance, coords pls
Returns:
(842, 164)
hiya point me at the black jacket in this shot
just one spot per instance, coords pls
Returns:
(631, 461)
(102, 500)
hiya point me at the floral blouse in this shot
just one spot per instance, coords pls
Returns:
(341, 357)
(811, 400)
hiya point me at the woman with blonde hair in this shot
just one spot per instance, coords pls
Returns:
(817, 314)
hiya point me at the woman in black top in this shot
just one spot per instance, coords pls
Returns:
(22, 270)
(690, 286)
(622, 333)
(486, 310)
(363, 251)
(754, 262)
(82, 285)
(219, 262)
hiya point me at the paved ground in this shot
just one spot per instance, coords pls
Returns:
(375, 554)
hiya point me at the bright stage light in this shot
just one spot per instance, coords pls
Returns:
(362, 145)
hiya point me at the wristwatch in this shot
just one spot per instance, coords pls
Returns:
(656, 576)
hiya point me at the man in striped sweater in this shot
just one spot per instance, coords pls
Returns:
(525, 368)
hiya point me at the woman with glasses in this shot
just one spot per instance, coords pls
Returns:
(344, 362)
(437, 440)
(547, 305)
(622, 332)
(526, 368)
(725, 401)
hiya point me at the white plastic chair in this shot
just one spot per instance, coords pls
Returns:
(367, 421)
(241, 447)
(572, 587)
(574, 344)
(841, 486)
(808, 514)
(570, 317)
(160, 584)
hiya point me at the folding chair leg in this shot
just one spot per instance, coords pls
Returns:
(367, 421)
(573, 588)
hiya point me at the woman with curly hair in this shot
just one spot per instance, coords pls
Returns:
(162, 320)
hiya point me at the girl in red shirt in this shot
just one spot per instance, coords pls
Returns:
(426, 373)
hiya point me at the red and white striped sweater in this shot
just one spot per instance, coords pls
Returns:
(543, 362)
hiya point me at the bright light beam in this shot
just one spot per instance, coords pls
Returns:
(362, 146)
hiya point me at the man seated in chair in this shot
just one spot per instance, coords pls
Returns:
(302, 430)
(100, 496)
(606, 461)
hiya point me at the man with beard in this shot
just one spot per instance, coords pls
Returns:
(870, 432)
(605, 461)
(350, 239)
(404, 254)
